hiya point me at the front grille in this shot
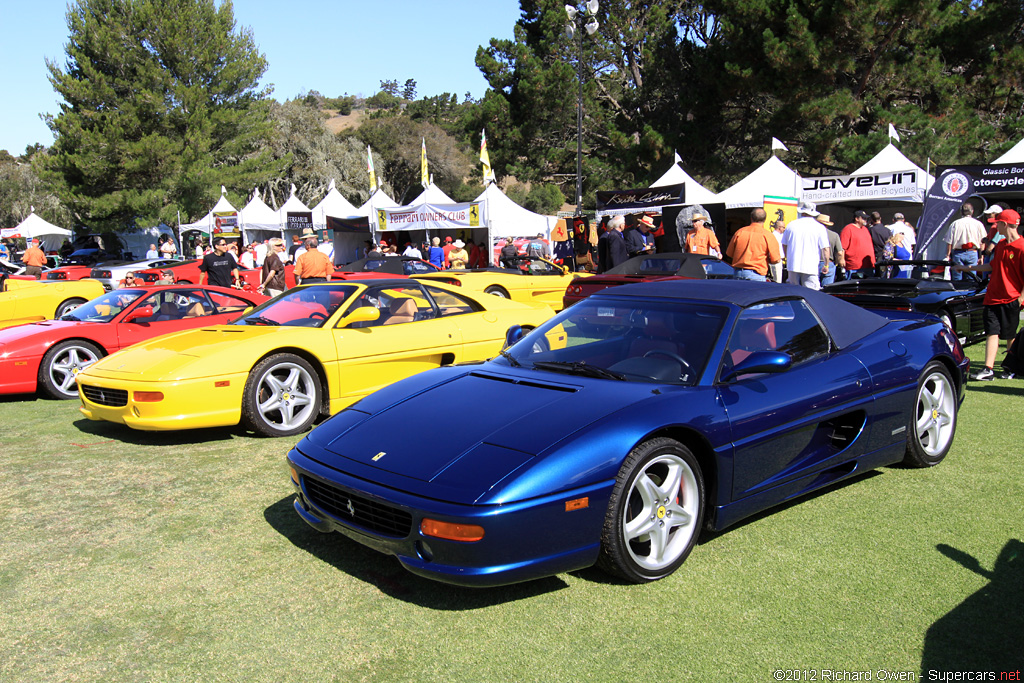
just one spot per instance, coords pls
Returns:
(115, 398)
(367, 513)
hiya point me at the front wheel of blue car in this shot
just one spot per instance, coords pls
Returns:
(933, 422)
(655, 512)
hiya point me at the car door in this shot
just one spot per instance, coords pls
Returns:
(790, 424)
(409, 337)
(174, 310)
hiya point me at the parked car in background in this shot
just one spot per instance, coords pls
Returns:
(389, 266)
(187, 272)
(308, 352)
(48, 356)
(23, 301)
(646, 268)
(959, 304)
(111, 274)
(530, 280)
(615, 432)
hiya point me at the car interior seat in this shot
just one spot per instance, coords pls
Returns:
(401, 310)
(168, 311)
(750, 336)
(658, 335)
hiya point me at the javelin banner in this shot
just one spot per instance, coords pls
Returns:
(430, 217)
(905, 185)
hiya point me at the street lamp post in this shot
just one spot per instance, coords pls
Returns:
(580, 20)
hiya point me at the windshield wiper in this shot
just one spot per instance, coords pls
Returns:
(578, 367)
(260, 320)
(511, 361)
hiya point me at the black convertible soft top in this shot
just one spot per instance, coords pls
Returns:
(669, 263)
(845, 322)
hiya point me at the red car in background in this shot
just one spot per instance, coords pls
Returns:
(387, 267)
(187, 272)
(48, 355)
(650, 268)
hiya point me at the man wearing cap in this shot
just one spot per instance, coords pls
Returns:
(901, 226)
(638, 238)
(805, 246)
(447, 248)
(34, 259)
(963, 241)
(1005, 292)
(702, 239)
(858, 249)
(879, 236)
(752, 249)
(993, 237)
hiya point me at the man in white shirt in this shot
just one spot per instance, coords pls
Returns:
(152, 253)
(900, 226)
(805, 245)
(963, 241)
(411, 251)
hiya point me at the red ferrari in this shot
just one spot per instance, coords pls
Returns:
(48, 355)
(187, 272)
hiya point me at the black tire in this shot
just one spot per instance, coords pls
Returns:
(61, 364)
(642, 502)
(67, 306)
(933, 419)
(282, 396)
(497, 291)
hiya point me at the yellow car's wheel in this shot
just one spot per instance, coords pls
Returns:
(497, 291)
(282, 396)
(68, 306)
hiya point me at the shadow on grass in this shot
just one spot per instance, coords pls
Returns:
(1014, 388)
(18, 398)
(182, 437)
(983, 633)
(387, 574)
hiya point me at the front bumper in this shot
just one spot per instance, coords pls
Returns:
(523, 541)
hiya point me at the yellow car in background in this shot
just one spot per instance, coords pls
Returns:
(529, 280)
(26, 301)
(309, 352)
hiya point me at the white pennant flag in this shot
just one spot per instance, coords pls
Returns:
(777, 144)
(678, 159)
(893, 135)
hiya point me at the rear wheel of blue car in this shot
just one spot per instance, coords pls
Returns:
(655, 512)
(933, 422)
(282, 396)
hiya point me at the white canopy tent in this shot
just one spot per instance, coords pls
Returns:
(505, 218)
(432, 195)
(49, 235)
(771, 178)
(378, 200)
(333, 204)
(256, 217)
(892, 161)
(695, 193)
(206, 223)
(293, 205)
(1015, 155)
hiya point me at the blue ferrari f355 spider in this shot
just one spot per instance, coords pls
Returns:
(616, 431)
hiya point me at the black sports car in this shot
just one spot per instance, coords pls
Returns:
(958, 304)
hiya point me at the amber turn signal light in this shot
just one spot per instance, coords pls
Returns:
(466, 533)
(147, 396)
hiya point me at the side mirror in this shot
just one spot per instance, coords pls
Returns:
(363, 314)
(758, 362)
(139, 313)
(514, 334)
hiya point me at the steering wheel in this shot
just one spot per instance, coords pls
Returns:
(317, 314)
(674, 356)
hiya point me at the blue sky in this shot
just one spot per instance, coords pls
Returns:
(332, 46)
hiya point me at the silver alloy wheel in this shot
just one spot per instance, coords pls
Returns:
(660, 517)
(65, 366)
(936, 413)
(68, 306)
(286, 396)
(497, 291)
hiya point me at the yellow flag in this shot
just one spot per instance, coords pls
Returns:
(485, 159)
(424, 175)
(369, 169)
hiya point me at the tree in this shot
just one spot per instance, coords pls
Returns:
(409, 90)
(22, 189)
(161, 107)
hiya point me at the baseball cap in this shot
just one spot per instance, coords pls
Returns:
(860, 214)
(1008, 216)
(995, 208)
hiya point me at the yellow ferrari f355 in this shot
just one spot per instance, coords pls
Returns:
(309, 352)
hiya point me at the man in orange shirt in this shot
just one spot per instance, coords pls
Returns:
(34, 260)
(313, 265)
(702, 239)
(751, 249)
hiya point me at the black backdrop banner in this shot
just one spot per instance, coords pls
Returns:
(639, 200)
(360, 225)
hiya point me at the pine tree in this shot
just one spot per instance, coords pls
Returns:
(161, 107)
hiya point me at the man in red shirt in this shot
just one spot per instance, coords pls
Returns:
(1005, 292)
(34, 260)
(858, 248)
(751, 249)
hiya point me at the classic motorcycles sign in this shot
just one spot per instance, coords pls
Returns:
(841, 188)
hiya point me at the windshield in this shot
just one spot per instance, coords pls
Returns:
(104, 308)
(629, 340)
(309, 306)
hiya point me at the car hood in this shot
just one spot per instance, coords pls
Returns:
(205, 352)
(34, 333)
(459, 437)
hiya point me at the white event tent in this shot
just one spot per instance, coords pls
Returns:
(293, 205)
(49, 235)
(432, 195)
(335, 205)
(206, 223)
(771, 178)
(1015, 155)
(892, 161)
(256, 217)
(695, 193)
(505, 218)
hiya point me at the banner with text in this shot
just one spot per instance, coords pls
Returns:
(899, 185)
(434, 217)
(642, 200)
(225, 224)
(299, 221)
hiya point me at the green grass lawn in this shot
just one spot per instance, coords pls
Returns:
(127, 556)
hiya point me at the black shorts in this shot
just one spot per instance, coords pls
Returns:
(1002, 319)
